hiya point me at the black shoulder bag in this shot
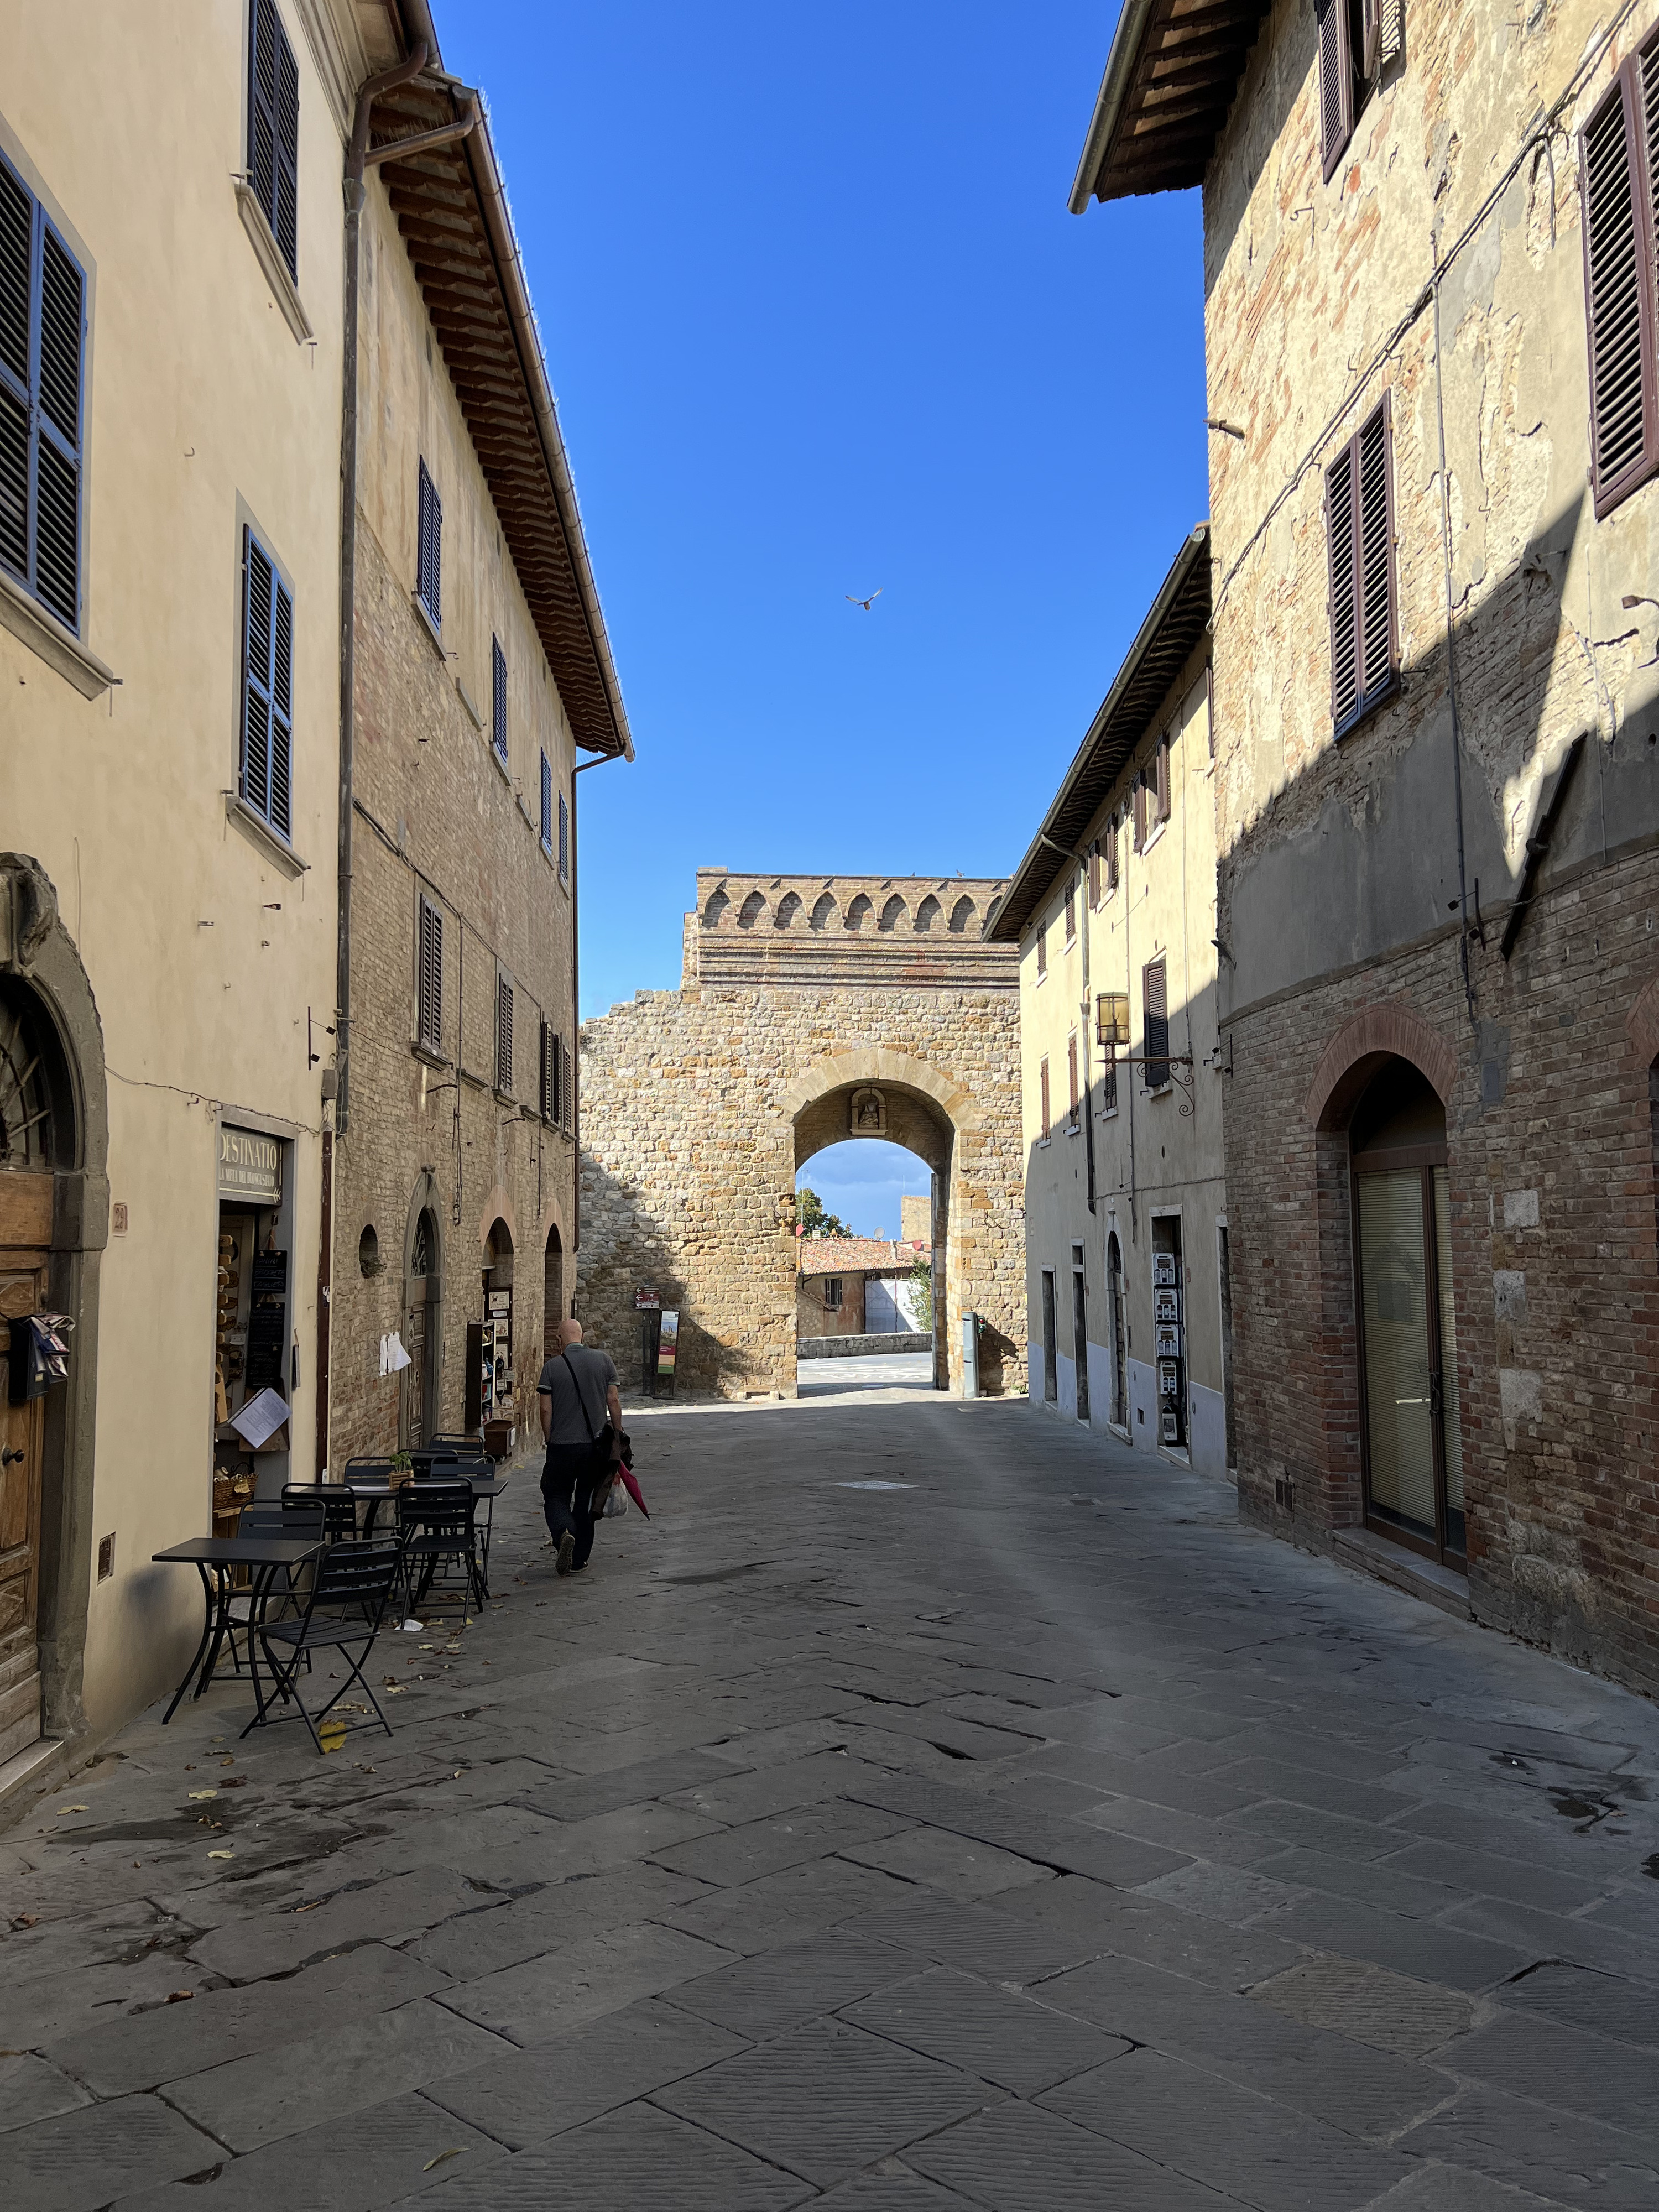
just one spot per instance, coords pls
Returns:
(606, 1445)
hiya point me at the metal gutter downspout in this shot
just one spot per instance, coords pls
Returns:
(1109, 107)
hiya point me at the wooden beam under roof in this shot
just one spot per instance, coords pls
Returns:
(1171, 77)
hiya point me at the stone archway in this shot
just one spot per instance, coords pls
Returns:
(699, 1104)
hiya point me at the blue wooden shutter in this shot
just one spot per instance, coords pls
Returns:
(429, 552)
(547, 802)
(42, 350)
(498, 697)
(267, 687)
(273, 128)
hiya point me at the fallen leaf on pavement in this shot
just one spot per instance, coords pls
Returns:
(212, 1855)
(26, 1920)
(179, 1996)
(61, 1810)
(441, 2156)
(204, 1793)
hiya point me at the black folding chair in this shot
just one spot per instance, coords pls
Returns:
(337, 1505)
(436, 1521)
(456, 1444)
(343, 1610)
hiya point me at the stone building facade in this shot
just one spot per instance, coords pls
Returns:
(481, 668)
(1437, 721)
(1113, 909)
(811, 1009)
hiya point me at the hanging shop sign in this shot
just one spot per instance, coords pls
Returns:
(249, 1166)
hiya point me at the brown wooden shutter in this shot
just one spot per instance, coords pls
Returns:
(1111, 857)
(1094, 874)
(503, 1034)
(1043, 1085)
(431, 978)
(1043, 951)
(1617, 168)
(1339, 536)
(1209, 703)
(1071, 1075)
(1071, 913)
(1155, 997)
(1161, 774)
(1370, 14)
(1335, 82)
(1141, 811)
(1375, 551)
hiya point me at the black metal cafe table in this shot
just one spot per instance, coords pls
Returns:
(215, 1559)
(374, 1491)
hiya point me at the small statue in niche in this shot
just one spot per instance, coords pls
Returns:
(869, 1114)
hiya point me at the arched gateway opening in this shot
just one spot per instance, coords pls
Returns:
(813, 1011)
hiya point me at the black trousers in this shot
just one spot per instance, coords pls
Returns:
(567, 1496)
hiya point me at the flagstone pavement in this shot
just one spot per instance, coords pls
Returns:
(932, 1807)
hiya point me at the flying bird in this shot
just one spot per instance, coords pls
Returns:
(866, 604)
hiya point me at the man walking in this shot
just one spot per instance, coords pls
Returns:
(576, 1395)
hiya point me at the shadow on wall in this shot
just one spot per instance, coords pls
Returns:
(644, 1257)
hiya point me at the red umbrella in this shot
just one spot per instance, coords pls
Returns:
(632, 1488)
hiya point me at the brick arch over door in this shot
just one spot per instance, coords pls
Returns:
(1392, 1030)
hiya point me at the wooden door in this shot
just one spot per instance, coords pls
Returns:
(25, 1238)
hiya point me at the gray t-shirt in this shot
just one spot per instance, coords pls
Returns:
(597, 1374)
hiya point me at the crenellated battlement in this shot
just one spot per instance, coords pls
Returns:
(920, 930)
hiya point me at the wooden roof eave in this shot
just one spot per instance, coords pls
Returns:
(1164, 52)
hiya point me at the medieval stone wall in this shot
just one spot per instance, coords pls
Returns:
(812, 1009)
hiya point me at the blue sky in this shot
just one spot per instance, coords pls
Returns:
(820, 321)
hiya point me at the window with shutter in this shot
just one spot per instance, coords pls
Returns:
(1209, 703)
(547, 804)
(267, 764)
(498, 698)
(503, 1034)
(546, 1084)
(1112, 858)
(1109, 1080)
(570, 1071)
(1155, 999)
(1619, 175)
(1161, 779)
(564, 839)
(1072, 1099)
(1359, 524)
(1041, 952)
(1042, 1097)
(1094, 874)
(429, 549)
(1336, 84)
(273, 128)
(42, 351)
(1141, 811)
(429, 982)
(1071, 914)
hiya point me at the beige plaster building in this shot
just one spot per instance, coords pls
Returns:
(481, 669)
(170, 360)
(1430, 278)
(1113, 909)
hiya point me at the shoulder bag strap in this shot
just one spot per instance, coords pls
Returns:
(581, 1402)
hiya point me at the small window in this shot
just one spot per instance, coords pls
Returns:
(1141, 811)
(1155, 998)
(504, 1033)
(1071, 914)
(1356, 38)
(1041, 952)
(1110, 853)
(564, 840)
(1359, 519)
(1161, 800)
(429, 986)
(266, 781)
(498, 699)
(1043, 1101)
(42, 353)
(1072, 1100)
(549, 1075)
(547, 804)
(1094, 874)
(1618, 165)
(1109, 1080)
(273, 128)
(832, 1294)
(429, 550)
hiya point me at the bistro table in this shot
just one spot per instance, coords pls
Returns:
(215, 1558)
(375, 1489)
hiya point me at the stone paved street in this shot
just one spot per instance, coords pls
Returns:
(924, 1810)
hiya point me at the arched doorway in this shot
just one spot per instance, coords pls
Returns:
(1411, 1429)
(552, 1292)
(424, 1279)
(490, 1373)
(894, 1115)
(1119, 1345)
(37, 1136)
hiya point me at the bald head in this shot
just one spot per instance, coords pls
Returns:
(570, 1332)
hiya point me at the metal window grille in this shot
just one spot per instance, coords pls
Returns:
(498, 698)
(429, 550)
(266, 776)
(42, 352)
(430, 979)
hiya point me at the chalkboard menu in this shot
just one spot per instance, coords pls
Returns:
(267, 1321)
